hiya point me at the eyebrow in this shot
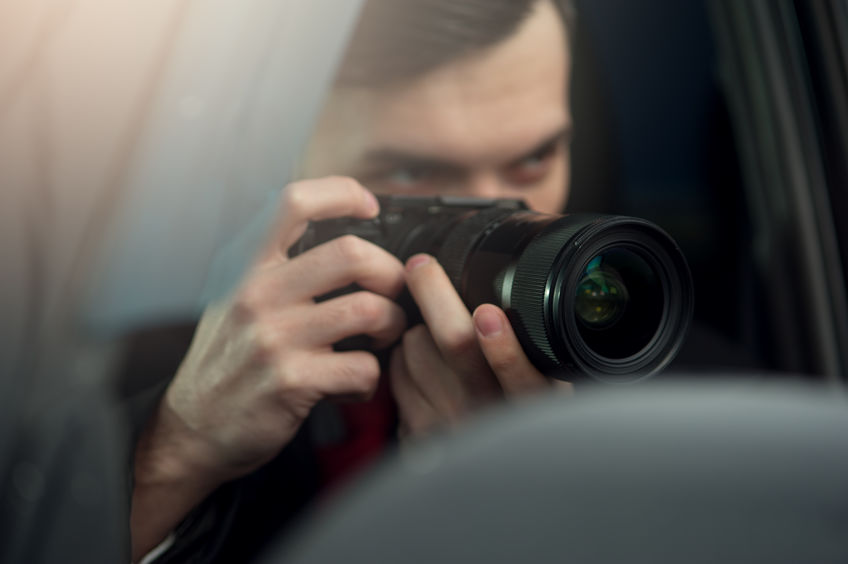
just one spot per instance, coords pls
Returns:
(385, 157)
(562, 135)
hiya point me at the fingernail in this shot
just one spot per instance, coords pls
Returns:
(371, 202)
(488, 323)
(416, 261)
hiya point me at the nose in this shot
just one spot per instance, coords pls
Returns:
(484, 184)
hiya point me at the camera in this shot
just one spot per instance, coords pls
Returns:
(602, 296)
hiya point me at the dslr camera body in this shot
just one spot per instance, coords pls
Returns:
(599, 296)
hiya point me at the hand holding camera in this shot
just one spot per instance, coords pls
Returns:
(455, 361)
(261, 360)
(564, 296)
(605, 297)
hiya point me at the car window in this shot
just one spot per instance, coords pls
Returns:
(723, 122)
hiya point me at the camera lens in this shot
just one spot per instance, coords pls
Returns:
(601, 296)
(605, 296)
(624, 297)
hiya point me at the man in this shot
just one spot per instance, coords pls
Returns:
(476, 105)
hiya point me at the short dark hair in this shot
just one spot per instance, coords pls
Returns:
(395, 40)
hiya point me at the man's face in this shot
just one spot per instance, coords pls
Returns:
(492, 124)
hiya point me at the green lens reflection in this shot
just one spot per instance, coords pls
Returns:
(601, 296)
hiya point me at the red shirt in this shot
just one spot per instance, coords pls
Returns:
(369, 427)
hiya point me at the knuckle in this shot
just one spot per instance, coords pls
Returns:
(458, 342)
(241, 311)
(265, 347)
(368, 308)
(351, 249)
(294, 198)
(254, 296)
(362, 376)
(290, 376)
(247, 304)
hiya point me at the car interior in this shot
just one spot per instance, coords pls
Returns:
(724, 122)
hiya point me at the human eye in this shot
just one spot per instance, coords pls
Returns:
(534, 167)
(406, 177)
(409, 179)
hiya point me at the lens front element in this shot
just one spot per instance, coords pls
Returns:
(601, 296)
(619, 303)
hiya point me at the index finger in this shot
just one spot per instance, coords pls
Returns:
(449, 321)
(314, 200)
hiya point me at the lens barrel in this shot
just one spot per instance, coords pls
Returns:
(538, 268)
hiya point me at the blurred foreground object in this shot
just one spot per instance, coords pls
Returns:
(133, 138)
(682, 473)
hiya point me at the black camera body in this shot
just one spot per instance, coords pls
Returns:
(608, 297)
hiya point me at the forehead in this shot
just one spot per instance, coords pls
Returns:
(480, 109)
